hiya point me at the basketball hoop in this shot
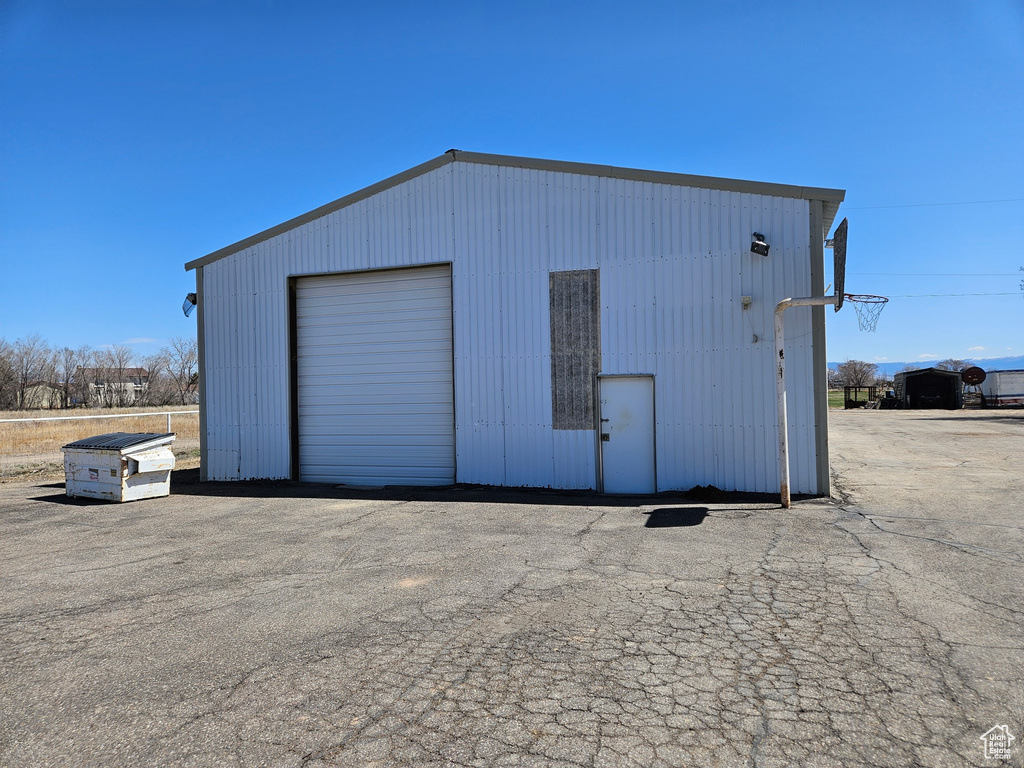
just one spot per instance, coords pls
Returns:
(868, 309)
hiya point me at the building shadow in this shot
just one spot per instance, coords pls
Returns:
(675, 517)
(1007, 413)
(71, 501)
(186, 483)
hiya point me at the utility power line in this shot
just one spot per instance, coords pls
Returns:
(936, 295)
(933, 205)
(938, 274)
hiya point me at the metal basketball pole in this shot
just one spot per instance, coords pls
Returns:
(780, 383)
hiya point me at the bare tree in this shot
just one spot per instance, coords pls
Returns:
(83, 392)
(952, 364)
(32, 362)
(70, 370)
(113, 366)
(87, 378)
(103, 374)
(54, 391)
(8, 377)
(856, 373)
(183, 367)
(159, 387)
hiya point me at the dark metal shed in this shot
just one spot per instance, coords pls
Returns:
(930, 388)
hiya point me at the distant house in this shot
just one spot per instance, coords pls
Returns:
(113, 386)
(42, 394)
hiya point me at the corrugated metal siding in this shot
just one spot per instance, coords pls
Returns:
(674, 263)
(671, 292)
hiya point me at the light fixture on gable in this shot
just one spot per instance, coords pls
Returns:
(759, 246)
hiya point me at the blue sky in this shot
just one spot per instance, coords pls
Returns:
(137, 136)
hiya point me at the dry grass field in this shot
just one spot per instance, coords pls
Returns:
(39, 439)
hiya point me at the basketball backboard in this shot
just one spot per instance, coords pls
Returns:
(839, 262)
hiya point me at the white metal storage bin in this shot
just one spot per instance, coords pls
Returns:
(119, 466)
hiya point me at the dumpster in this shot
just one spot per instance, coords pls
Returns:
(119, 466)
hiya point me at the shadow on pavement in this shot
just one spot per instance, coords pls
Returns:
(675, 517)
(1016, 416)
(186, 483)
(63, 498)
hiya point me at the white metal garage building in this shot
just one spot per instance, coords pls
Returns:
(520, 322)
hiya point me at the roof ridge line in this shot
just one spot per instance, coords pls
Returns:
(835, 196)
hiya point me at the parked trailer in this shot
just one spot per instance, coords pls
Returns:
(1003, 388)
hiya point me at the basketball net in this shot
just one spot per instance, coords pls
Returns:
(868, 309)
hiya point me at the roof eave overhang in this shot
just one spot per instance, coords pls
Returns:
(831, 198)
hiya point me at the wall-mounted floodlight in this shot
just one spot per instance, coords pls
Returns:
(759, 246)
(189, 304)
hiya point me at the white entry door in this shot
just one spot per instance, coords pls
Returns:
(627, 434)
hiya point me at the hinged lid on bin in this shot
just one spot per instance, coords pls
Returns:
(153, 460)
(123, 442)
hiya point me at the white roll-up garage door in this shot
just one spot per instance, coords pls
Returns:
(375, 383)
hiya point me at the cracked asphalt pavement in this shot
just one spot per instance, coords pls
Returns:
(287, 625)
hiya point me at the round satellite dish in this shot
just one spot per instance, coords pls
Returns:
(972, 376)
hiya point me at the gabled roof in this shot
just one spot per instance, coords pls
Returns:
(129, 372)
(830, 197)
(919, 371)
